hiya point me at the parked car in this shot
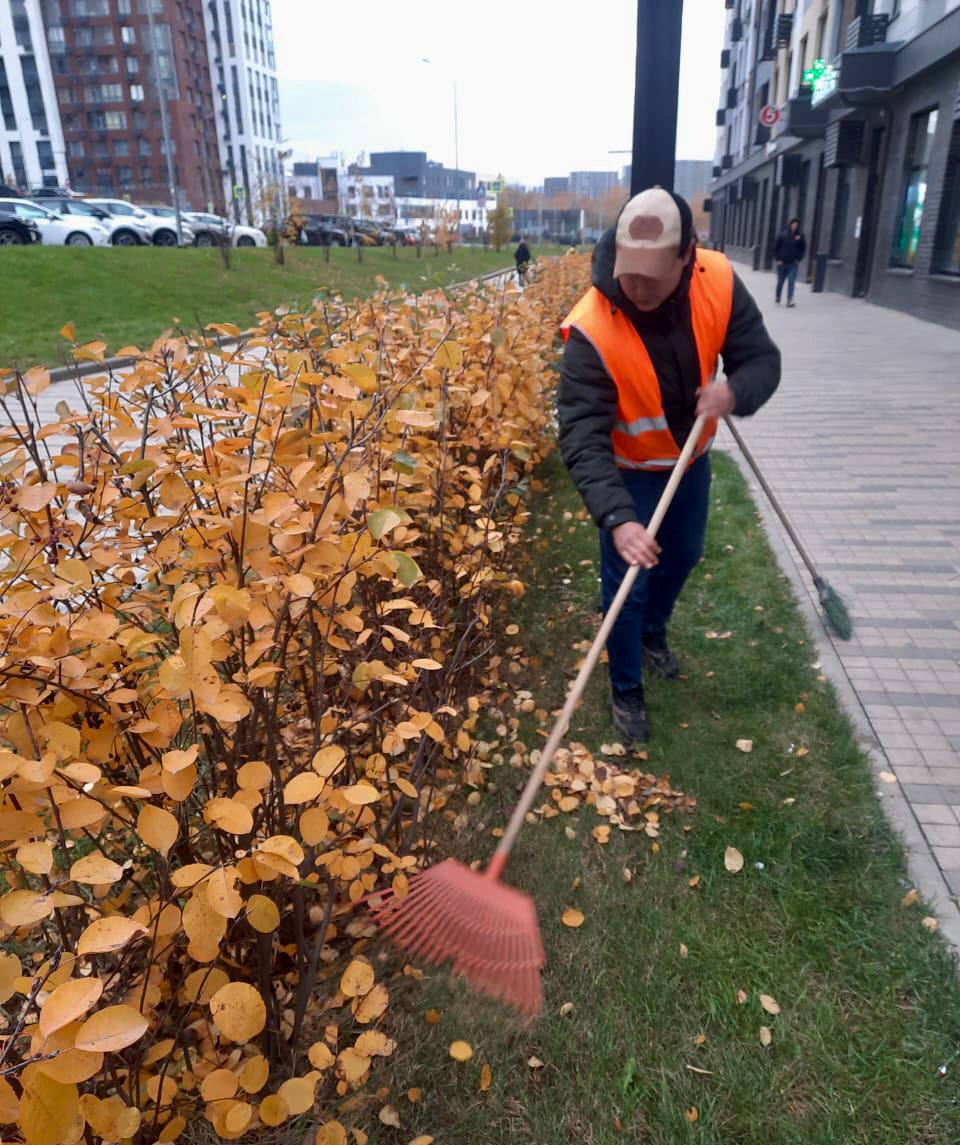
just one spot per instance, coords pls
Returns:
(52, 193)
(317, 230)
(17, 232)
(161, 232)
(124, 231)
(57, 230)
(214, 230)
(372, 230)
(8, 192)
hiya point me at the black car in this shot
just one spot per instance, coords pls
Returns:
(317, 230)
(17, 232)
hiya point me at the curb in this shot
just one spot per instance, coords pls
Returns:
(922, 867)
(82, 369)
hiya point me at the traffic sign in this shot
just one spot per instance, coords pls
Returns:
(769, 115)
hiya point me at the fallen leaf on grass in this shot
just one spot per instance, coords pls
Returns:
(486, 1077)
(691, 1114)
(696, 1069)
(627, 874)
(414, 1094)
(389, 1116)
(424, 1139)
(765, 1036)
(745, 745)
(535, 1063)
(572, 918)
(733, 860)
(699, 1039)
(888, 777)
(929, 922)
(741, 997)
(771, 1005)
(910, 898)
(431, 1017)
(566, 1008)
(694, 882)
(461, 1051)
(683, 951)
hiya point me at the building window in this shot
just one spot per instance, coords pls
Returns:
(116, 120)
(136, 92)
(145, 175)
(946, 248)
(56, 40)
(19, 171)
(133, 66)
(121, 147)
(841, 203)
(906, 234)
(143, 147)
(45, 155)
(125, 175)
(75, 149)
(6, 103)
(128, 35)
(123, 7)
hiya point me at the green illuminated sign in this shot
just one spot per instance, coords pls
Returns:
(821, 79)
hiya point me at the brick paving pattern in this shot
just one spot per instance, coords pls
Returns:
(862, 445)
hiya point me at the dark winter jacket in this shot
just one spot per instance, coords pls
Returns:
(587, 402)
(522, 253)
(790, 247)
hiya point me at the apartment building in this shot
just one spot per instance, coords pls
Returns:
(846, 115)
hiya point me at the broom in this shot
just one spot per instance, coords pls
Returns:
(830, 600)
(488, 930)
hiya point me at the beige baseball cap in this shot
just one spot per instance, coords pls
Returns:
(648, 235)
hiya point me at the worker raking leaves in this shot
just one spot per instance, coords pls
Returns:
(642, 350)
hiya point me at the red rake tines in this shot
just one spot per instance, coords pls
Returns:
(488, 930)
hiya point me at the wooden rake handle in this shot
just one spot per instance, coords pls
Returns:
(497, 863)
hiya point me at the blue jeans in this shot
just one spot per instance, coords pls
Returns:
(649, 606)
(787, 273)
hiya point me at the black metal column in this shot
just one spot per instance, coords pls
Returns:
(655, 96)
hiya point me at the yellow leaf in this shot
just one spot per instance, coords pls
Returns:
(572, 918)
(238, 1011)
(253, 1076)
(733, 860)
(357, 979)
(157, 828)
(331, 1133)
(49, 1110)
(10, 971)
(68, 1002)
(297, 1093)
(328, 760)
(273, 1110)
(766, 1037)
(769, 1004)
(745, 745)
(37, 858)
(69, 331)
(461, 1051)
(9, 1103)
(302, 788)
(172, 1130)
(33, 498)
(692, 1114)
(909, 899)
(94, 869)
(109, 934)
(221, 892)
(321, 1056)
(21, 908)
(486, 1077)
(389, 1116)
(262, 914)
(220, 1085)
(427, 664)
(111, 1029)
(238, 1117)
(229, 815)
(360, 794)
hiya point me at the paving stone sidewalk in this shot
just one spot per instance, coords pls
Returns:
(862, 445)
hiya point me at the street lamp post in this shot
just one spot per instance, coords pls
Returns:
(164, 120)
(659, 24)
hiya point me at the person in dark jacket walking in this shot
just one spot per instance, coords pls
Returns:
(641, 352)
(522, 258)
(790, 248)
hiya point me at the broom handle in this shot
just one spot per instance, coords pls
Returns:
(497, 863)
(771, 497)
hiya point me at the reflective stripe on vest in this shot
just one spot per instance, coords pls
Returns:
(641, 438)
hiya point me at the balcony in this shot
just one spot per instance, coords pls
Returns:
(721, 116)
(784, 30)
(725, 58)
(727, 162)
(732, 97)
(867, 31)
(736, 30)
(802, 118)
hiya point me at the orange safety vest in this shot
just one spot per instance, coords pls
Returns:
(640, 438)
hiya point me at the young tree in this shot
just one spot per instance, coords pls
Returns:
(500, 224)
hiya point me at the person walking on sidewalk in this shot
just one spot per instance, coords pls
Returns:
(522, 258)
(640, 356)
(790, 248)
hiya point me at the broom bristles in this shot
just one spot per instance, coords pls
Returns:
(486, 929)
(835, 610)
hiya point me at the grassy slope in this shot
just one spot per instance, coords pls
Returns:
(870, 1002)
(130, 295)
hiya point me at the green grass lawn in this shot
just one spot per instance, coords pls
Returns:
(128, 296)
(657, 1048)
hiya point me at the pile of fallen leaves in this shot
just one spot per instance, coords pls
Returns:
(245, 597)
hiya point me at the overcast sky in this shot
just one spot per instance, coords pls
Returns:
(544, 87)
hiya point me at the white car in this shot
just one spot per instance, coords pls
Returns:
(211, 230)
(163, 229)
(59, 230)
(126, 231)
